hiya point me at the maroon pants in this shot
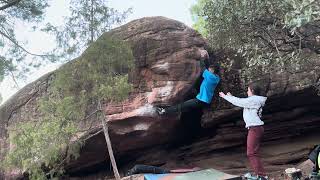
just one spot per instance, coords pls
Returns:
(253, 146)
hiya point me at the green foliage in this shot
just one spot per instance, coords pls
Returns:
(38, 145)
(88, 20)
(104, 65)
(117, 89)
(41, 143)
(12, 51)
(100, 73)
(266, 33)
(301, 12)
(197, 12)
(31, 11)
(225, 18)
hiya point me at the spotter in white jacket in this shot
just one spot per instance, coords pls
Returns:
(252, 108)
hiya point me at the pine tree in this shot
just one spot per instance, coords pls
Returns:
(88, 20)
(13, 52)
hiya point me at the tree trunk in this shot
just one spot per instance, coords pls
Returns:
(91, 23)
(108, 141)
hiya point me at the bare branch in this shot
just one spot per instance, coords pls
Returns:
(14, 79)
(9, 4)
(17, 44)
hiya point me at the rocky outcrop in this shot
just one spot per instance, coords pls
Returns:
(166, 54)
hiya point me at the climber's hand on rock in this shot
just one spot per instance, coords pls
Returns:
(204, 54)
(221, 94)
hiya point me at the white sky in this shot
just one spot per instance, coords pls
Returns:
(40, 42)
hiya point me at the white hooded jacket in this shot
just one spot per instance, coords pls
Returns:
(252, 108)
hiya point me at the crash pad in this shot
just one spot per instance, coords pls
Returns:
(207, 174)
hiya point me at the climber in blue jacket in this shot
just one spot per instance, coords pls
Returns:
(204, 97)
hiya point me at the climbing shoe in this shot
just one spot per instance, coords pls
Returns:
(161, 111)
(249, 176)
(263, 178)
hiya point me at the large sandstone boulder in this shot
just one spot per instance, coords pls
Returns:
(166, 54)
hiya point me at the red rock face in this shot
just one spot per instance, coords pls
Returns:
(166, 54)
(166, 58)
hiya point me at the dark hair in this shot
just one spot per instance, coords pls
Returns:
(255, 88)
(215, 67)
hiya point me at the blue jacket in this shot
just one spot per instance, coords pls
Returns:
(208, 86)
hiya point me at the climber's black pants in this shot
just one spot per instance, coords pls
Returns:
(186, 106)
(140, 169)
